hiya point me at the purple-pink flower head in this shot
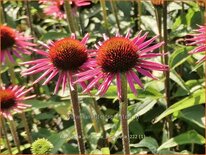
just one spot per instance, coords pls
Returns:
(12, 99)
(56, 7)
(64, 57)
(118, 55)
(13, 43)
(199, 40)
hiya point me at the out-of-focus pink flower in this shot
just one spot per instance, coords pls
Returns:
(56, 7)
(198, 39)
(118, 55)
(13, 43)
(65, 57)
(12, 99)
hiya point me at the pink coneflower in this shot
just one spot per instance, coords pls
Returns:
(65, 57)
(56, 7)
(118, 55)
(199, 39)
(13, 43)
(12, 99)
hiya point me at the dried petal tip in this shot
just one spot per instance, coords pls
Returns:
(157, 2)
(41, 146)
(201, 3)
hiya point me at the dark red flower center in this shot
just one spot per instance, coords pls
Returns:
(7, 37)
(68, 54)
(117, 54)
(7, 99)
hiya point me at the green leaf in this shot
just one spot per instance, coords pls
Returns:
(54, 35)
(190, 137)
(193, 115)
(105, 150)
(134, 111)
(149, 143)
(196, 98)
(176, 78)
(60, 138)
(179, 56)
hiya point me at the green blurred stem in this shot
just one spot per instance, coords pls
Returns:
(123, 114)
(70, 19)
(158, 14)
(11, 70)
(139, 13)
(115, 12)
(26, 126)
(105, 17)
(99, 113)
(14, 134)
(167, 74)
(29, 19)
(4, 132)
(77, 118)
(2, 13)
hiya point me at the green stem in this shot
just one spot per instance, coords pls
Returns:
(105, 18)
(11, 70)
(77, 119)
(99, 113)
(14, 134)
(115, 12)
(29, 19)
(94, 120)
(2, 13)
(139, 13)
(158, 13)
(3, 128)
(70, 20)
(123, 113)
(167, 74)
(26, 127)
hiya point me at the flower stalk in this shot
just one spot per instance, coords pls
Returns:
(115, 11)
(14, 134)
(167, 74)
(26, 126)
(70, 20)
(106, 24)
(123, 114)
(29, 19)
(4, 132)
(77, 118)
(13, 79)
(101, 123)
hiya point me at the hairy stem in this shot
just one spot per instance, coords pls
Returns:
(123, 114)
(77, 118)
(167, 74)
(70, 19)
(26, 127)
(4, 132)
(115, 12)
(14, 134)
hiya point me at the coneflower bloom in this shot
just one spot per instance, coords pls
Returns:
(64, 57)
(13, 43)
(12, 99)
(56, 7)
(118, 55)
(198, 39)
